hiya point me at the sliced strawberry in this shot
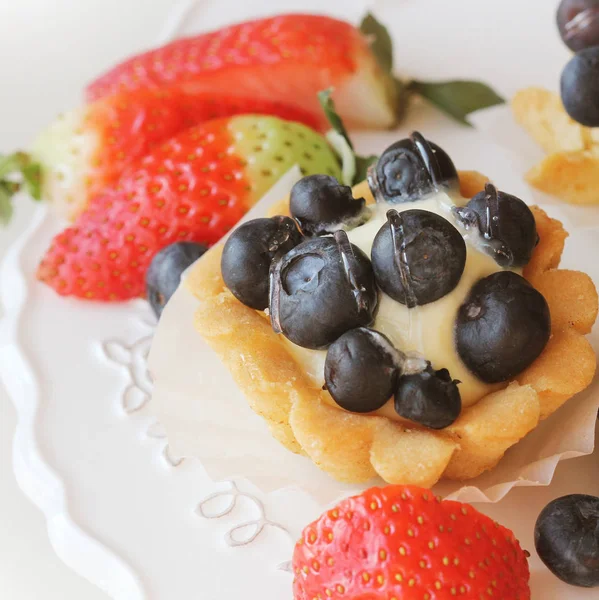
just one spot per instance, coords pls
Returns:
(288, 58)
(402, 543)
(86, 150)
(194, 187)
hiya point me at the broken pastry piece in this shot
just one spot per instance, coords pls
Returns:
(413, 328)
(571, 169)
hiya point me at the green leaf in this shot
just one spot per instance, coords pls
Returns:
(381, 43)
(5, 205)
(362, 164)
(324, 96)
(457, 98)
(10, 164)
(17, 171)
(32, 178)
(381, 46)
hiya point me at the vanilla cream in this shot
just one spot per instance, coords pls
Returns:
(427, 330)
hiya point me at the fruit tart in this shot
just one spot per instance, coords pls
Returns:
(413, 327)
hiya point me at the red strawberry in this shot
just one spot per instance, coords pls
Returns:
(86, 150)
(288, 58)
(194, 187)
(402, 543)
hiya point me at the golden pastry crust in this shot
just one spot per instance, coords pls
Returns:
(570, 176)
(542, 114)
(572, 297)
(571, 169)
(489, 427)
(552, 239)
(355, 448)
(472, 182)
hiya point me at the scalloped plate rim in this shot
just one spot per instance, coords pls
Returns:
(69, 540)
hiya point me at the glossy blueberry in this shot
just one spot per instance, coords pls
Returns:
(320, 205)
(567, 539)
(410, 169)
(580, 87)
(361, 370)
(578, 23)
(502, 327)
(417, 257)
(248, 253)
(164, 273)
(430, 398)
(505, 222)
(321, 289)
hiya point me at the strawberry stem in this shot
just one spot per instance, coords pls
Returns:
(353, 166)
(328, 106)
(17, 172)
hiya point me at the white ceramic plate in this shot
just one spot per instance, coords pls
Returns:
(121, 509)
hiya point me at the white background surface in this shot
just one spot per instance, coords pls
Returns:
(49, 50)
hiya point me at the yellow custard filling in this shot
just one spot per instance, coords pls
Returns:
(428, 330)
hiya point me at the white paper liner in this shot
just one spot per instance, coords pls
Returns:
(207, 416)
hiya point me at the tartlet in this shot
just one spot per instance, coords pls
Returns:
(355, 447)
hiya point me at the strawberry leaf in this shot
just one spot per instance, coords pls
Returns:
(353, 167)
(380, 41)
(17, 171)
(457, 98)
(362, 164)
(381, 46)
(6, 209)
(32, 178)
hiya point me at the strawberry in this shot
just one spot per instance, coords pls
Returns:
(402, 543)
(288, 58)
(193, 187)
(86, 150)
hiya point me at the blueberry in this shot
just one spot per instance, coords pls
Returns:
(505, 222)
(567, 539)
(248, 253)
(578, 23)
(580, 87)
(502, 327)
(320, 205)
(361, 370)
(417, 257)
(430, 398)
(164, 273)
(321, 289)
(410, 169)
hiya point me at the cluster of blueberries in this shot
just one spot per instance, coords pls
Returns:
(322, 291)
